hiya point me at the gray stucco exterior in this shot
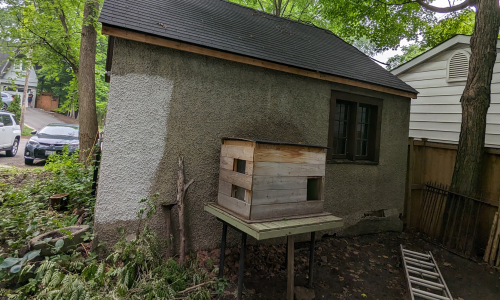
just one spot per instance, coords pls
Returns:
(163, 102)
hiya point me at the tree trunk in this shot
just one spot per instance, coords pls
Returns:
(181, 192)
(476, 98)
(86, 81)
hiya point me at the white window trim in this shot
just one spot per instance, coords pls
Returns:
(467, 54)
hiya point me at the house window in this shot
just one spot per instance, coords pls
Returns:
(354, 134)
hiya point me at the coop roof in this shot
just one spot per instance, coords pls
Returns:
(272, 142)
(231, 28)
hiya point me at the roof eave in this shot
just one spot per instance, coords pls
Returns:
(164, 42)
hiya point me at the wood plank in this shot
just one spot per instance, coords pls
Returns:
(238, 179)
(148, 39)
(236, 222)
(290, 268)
(237, 206)
(248, 196)
(278, 196)
(290, 155)
(249, 167)
(288, 169)
(278, 183)
(240, 143)
(283, 210)
(226, 163)
(225, 188)
(239, 152)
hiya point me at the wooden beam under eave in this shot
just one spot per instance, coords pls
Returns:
(149, 39)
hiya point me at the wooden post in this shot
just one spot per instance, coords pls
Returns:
(181, 191)
(487, 253)
(168, 220)
(494, 248)
(410, 183)
(291, 278)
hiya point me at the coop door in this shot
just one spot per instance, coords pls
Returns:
(314, 188)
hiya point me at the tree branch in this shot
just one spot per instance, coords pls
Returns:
(433, 8)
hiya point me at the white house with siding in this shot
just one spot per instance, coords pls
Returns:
(12, 77)
(439, 75)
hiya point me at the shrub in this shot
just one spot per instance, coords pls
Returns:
(15, 108)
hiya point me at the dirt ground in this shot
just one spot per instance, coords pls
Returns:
(365, 267)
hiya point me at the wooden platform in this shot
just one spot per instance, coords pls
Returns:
(266, 230)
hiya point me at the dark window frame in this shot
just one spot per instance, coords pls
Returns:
(353, 101)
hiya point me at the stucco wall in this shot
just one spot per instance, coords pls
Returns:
(207, 99)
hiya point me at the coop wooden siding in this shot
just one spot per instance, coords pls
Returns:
(239, 207)
(238, 179)
(288, 169)
(260, 212)
(278, 196)
(279, 183)
(238, 152)
(290, 154)
(437, 114)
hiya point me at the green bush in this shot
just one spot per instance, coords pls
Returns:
(15, 108)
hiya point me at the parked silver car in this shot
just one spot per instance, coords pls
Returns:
(6, 100)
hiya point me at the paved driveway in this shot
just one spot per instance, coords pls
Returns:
(38, 118)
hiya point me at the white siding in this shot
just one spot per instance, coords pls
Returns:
(436, 113)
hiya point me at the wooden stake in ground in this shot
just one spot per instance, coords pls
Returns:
(181, 191)
(494, 248)
(487, 253)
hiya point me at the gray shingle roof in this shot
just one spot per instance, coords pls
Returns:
(229, 27)
(4, 63)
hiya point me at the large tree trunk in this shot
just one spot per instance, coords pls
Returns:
(86, 81)
(476, 98)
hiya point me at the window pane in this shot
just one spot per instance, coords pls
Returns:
(340, 129)
(363, 130)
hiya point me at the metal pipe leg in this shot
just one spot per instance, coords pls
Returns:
(242, 264)
(311, 258)
(222, 250)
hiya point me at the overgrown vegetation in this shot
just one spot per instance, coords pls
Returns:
(15, 108)
(135, 269)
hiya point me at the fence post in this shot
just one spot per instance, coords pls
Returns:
(410, 184)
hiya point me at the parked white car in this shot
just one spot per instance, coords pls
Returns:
(6, 100)
(10, 133)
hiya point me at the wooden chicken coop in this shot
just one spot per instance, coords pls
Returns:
(263, 180)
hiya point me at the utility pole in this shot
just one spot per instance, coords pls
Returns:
(25, 94)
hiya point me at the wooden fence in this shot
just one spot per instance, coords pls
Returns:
(433, 162)
(47, 101)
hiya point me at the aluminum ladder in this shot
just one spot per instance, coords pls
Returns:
(422, 273)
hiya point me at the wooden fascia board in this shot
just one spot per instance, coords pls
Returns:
(149, 39)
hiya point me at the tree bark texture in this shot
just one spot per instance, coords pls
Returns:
(181, 191)
(86, 81)
(476, 98)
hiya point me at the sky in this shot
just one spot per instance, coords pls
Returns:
(383, 57)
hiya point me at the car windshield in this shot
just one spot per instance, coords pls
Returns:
(59, 130)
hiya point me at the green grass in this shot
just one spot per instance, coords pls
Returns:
(26, 131)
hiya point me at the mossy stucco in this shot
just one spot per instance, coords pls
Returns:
(165, 102)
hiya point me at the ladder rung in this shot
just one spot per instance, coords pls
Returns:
(419, 261)
(426, 285)
(438, 285)
(418, 264)
(416, 253)
(416, 294)
(422, 271)
(422, 293)
(416, 256)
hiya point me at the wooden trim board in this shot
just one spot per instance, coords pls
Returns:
(149, 39)
(266, 230)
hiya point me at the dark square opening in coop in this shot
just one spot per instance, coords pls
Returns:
(314, 188)
(240, 165)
